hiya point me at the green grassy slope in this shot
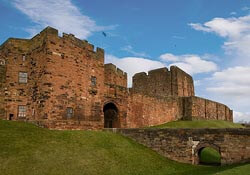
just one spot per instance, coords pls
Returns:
(26, 149)
(200, 124)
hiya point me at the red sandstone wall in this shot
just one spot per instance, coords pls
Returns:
(147, 111)
(114, 75)
(156, 83)
(59, 76)
(2, 90)
(116, 92)
(202, 109)
(182, 83)
(71, 64)
(164, 83)
(16, 93)
(3, 57)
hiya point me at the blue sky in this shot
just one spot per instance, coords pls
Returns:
(207, 38)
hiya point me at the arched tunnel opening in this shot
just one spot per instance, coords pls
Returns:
(110, 116)
(209, 156)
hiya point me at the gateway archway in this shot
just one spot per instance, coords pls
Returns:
(110, 116)
(208, 154)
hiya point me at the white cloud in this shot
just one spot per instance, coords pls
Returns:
(240, 117)
(169, 57)
(238, 75)
(198, 26)
(133, 65)
(61, 14)
(232, 90)
(236, 31)
(130, 50)
(225, 27)
(232, 83)
(191, 64)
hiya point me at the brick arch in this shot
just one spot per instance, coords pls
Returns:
(200, 147)
(112, 102)
(111, 115)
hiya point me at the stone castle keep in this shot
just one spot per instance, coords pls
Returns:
(63, 83)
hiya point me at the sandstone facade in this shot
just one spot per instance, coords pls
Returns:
(63, 83)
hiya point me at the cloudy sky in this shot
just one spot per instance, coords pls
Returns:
(209, 39)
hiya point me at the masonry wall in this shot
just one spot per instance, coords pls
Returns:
(2, 87)
(114, 75)
(75, 79)
(16, 54)
(182, 83)
(164, 83)
(60, 71)
(184, 145)
(116, 92)
(148, 111)
(196, 108)
(156, 83)
(38, 89)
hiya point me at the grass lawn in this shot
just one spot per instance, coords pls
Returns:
(26, 149)
(200, 124)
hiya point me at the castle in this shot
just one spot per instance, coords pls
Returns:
(63, 83)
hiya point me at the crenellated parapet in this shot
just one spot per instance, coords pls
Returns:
(162, 82)
(114, 75)
(97, 53)
(49, 35)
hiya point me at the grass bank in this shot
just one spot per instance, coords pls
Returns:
(200, 124)
(28, 150)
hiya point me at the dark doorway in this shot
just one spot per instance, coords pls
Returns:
(110, 116)
(209, 156)
(11, 116)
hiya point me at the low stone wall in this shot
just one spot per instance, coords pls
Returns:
(184, 145)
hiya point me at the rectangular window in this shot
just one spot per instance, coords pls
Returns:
(93, 81)
(69, 112)
(22, 111)
(23, 77)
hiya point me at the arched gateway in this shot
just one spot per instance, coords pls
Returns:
(211, 154)
(110, 116)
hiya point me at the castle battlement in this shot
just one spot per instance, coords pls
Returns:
(162, 82)
(27, 45)
(180, 71)
(156, 72)
(114, 69)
